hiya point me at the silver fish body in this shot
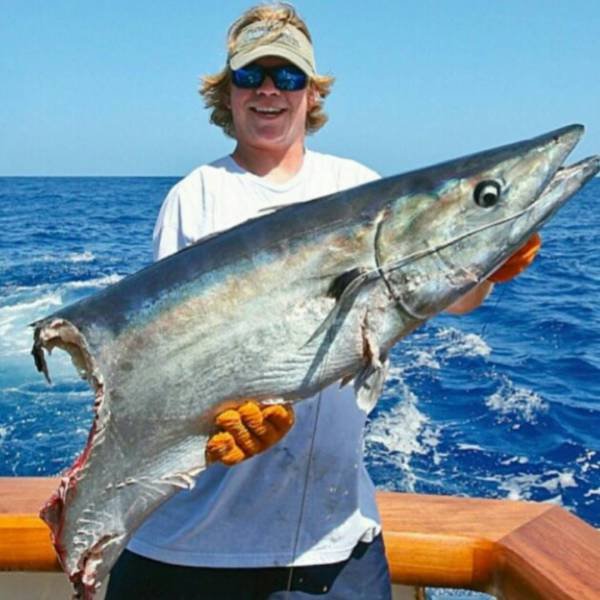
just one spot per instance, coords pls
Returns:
(276, 309)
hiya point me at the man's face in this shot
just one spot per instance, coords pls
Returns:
(267, 118)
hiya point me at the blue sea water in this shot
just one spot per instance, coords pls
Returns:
(503, 402)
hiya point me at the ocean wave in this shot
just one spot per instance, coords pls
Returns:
(512, 460)
(45, 288)
(524, 486)
(15, 336)
(511, 402)
(85, 256)
(423, 359)
(15, 319)
(52, 299)
(465, 446)
(22, 259)
(432, 348)
(401, 432)
(588, 462)
(454, 342)
(97, 282)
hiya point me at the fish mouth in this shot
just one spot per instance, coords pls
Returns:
(567, 180)
(580, 171)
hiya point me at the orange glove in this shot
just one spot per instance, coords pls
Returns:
(248, 430)
(519, 261)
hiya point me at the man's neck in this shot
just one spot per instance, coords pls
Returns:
(277, 167)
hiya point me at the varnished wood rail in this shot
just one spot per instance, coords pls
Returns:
(516, 550)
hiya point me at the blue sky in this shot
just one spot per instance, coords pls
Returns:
(109, 88)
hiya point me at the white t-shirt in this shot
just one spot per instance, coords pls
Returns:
(273, 509)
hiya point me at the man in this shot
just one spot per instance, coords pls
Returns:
(307, 501)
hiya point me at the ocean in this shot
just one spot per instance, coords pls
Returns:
(502, 403)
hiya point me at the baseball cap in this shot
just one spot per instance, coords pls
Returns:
(264, 38)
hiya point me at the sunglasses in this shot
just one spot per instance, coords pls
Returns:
(287, 78)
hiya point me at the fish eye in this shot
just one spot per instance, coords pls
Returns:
(487, 193)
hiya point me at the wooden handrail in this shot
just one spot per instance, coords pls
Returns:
(519, 550)
(516, 550)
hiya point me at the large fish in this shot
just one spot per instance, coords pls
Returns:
(276, 309)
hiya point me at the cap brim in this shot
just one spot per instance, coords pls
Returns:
(245, 58)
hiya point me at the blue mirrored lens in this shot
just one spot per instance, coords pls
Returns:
(288, 78)
(250, 76)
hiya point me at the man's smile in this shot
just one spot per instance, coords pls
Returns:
(268, 112)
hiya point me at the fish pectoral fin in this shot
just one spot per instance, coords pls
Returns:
(37, 351)
(345, 289)
(341, 283)
(247, 430)
(369, 382)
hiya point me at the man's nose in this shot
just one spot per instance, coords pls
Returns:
(267, 87)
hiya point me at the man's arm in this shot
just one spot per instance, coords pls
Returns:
(471, 300)
(515, 265)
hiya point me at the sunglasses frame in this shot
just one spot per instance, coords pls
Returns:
(274, 73)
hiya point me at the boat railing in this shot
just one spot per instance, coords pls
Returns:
(511, 549)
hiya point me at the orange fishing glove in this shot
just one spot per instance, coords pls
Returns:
(519, 261)
(248, 430)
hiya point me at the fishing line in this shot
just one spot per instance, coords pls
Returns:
(494, 307)
(306, 478)
(401, 262)
(304, 495)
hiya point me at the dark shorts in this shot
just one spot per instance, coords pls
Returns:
(364, 576)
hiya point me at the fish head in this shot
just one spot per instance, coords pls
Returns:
(452, 225)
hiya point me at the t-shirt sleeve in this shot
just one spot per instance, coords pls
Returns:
(352, 173)
(366, 174)
(165, 238)
(180, 219)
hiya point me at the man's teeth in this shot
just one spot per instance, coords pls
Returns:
(268, 110)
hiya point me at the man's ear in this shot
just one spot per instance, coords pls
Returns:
(313, 97)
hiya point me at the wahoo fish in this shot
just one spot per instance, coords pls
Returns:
(276, 309)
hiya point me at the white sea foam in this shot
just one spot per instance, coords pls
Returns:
(46, 288)
(86, 256)
(73, 257)
(463, 446)
(49, 300)
(15, 335)
(403, 432)
(521, 460)
(98, 282)
(455, 342)
(587, 462)
(399, 429)
(396, 371)
(423, 359)
(511, 401)
(522, 487)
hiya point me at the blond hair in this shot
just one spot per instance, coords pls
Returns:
(215, 88)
